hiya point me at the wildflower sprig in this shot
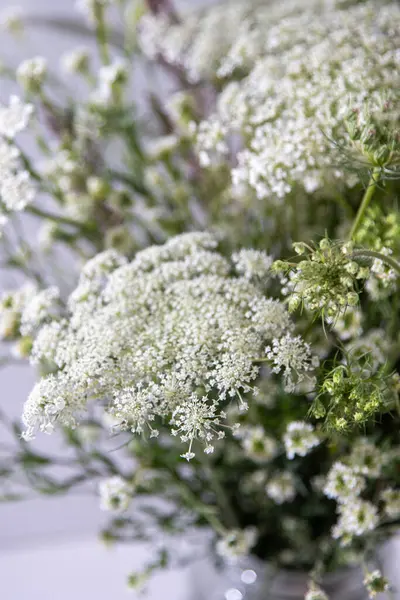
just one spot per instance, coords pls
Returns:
(350, 397)
(327, 280)
(374, 136)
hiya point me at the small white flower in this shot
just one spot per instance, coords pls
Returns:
(236, 543)
(293, 356)
(355, 519)
(76, 61)
(391, 499)
(343, 483)
(257, 444)
(40, 307)
(252, 263)
(281, 487)
(17, 191)
(15, 117)
(299, 439)
(11, 19)
(32, 73)
(366, 458)
(376, 583)
(315, 593)
(115, 494)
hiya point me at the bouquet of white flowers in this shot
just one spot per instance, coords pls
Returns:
(235, 318)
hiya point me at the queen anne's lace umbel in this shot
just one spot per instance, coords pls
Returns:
(286, 80)
(174, 336)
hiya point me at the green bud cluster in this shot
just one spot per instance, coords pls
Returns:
(379, 229)
(327, 280)
(374, 137)
(350, 398)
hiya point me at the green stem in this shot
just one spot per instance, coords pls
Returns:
(369, 192)
(195, 504)
(101, 34)
(44, 214)
(221, 496)
(391, 262)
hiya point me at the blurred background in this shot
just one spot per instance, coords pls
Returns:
(49, 548)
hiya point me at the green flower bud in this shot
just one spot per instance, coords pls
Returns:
(299, 247)
(324, 244)
(352, 298)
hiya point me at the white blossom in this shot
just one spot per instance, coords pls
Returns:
(292, 355)
(256, 444)
(315, 593)
(252, 263)
(356, 518)
(11, 19)
(40, 307)
(376, 583)
(110, 76)
(115, 494)
(52, 400)
(167, 338)
(76, 60)
(391, 499)
(17, 191)
(343, 484)
(14, 118)
(299, 439)
(32, 72)
(293, 75)
(236, 543)
(366, 458)
(281, 487)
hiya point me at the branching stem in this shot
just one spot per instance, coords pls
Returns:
(369, 192)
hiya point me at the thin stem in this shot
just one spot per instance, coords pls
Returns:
(45, 214)
(197, 505)
(369, 192)
(220, 494)
(101, 34)
(373, 254)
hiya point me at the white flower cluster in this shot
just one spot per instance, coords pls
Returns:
(257, 445)
(252, 264)
(345, 484)
(32, 73)
(115, 494)
(236, 543)
(12, 305)
(376, 583)
(39, 307)
(299, 439)
(16, 186)
(366, 458)
(110, 76)
(315, 593)
(391, 499)
(293, 356)
(356, 517)
(281, 487)
(76, 60)
(293, 76)
(173, 335)
(24, 310)
(199, 43)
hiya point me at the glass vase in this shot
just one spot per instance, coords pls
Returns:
(251, 579)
